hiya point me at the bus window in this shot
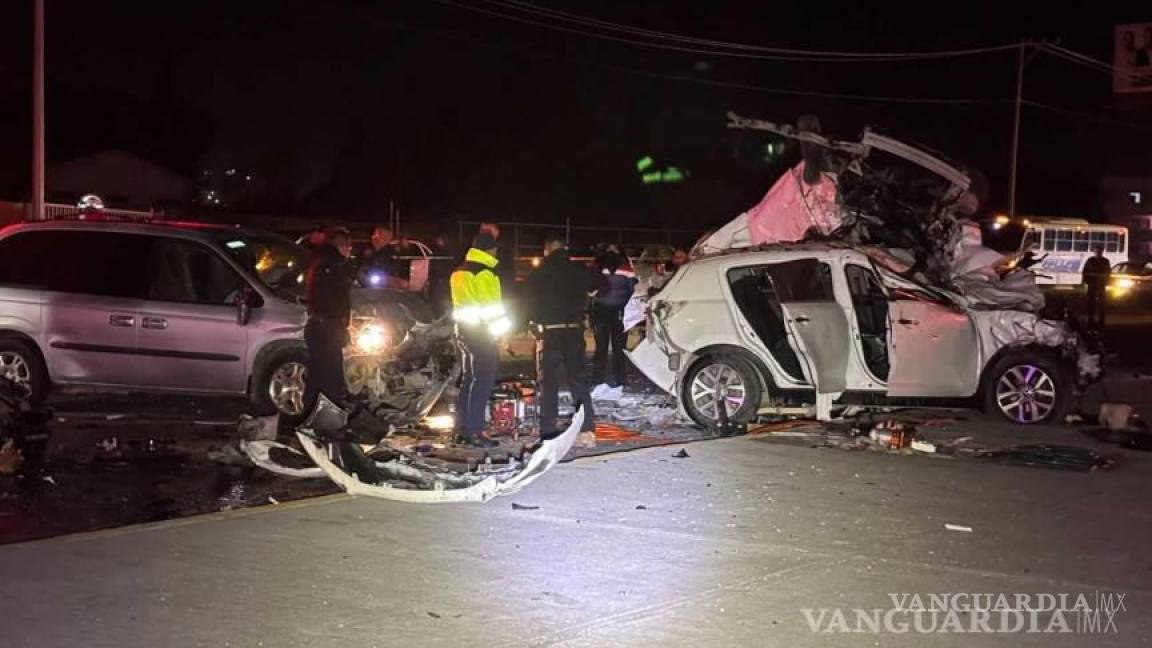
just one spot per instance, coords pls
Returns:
(1031, 240)
(1103, 239)
(1049, 240)
(1115, 242)
(1081, 241)
(1064, 240)
(1122, 243)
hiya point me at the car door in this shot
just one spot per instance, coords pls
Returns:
(933, 348)
(189, 335)
(93, 281)
(817, 326)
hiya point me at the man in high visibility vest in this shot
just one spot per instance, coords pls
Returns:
(478, 308)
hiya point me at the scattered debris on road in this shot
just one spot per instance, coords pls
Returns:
(524, 507)
(682, 454)
(958, 527)
(1058, 457)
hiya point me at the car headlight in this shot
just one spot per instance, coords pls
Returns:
(1124, 283)
(370, 338)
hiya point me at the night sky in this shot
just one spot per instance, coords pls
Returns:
(338, 107)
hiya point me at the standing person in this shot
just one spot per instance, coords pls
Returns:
(668, 270)
(481, 320)
(556, 302)
(1097, 272)
(329, 288)
(608, 325)
(380, 267)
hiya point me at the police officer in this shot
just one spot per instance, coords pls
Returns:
(557, 300)
(1096, 274)
(329, 286)
(478, 308)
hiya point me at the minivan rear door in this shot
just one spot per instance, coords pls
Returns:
(816, 323)
(189, 335)
(93, 281)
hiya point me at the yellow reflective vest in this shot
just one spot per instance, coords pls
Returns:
(476, 297)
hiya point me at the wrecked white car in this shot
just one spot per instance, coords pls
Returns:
(745, 333)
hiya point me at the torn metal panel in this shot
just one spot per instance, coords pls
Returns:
(549, 454)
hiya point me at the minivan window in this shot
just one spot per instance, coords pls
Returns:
(276, 261)
(95, 263)
(190, 272)
(22, 258)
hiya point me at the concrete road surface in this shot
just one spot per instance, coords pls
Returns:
(723, 548)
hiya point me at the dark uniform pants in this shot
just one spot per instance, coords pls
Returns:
(1097, 300)
(562, 352)
(608, 328)
(325, 342)
(479, 359)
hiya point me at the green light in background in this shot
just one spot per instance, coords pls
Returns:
(644, 163)
(655, 177)
(672, 174)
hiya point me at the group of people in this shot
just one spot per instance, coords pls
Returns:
(558, 298)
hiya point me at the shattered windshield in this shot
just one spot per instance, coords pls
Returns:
(276, 261)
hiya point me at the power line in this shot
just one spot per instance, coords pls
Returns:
(784, 55)
(528, 7)
(527, 51)
(1083, 115)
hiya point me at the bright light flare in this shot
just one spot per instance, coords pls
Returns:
(440, 422)
(371, 338)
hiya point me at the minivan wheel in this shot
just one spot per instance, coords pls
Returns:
(1027, 388)
(280, 386)
(20, 363)
(721, 380)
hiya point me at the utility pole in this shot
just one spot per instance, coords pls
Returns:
(1016, 131)
(38, 113)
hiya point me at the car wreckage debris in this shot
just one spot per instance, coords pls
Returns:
(390, 472)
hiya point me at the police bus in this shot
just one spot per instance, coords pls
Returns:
(1063, 244)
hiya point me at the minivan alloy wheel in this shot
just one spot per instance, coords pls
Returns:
(1026, 393)
(718, 383)
(286, 388)
(15, 368)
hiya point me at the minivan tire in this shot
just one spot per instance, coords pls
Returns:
(36, 374)
(1027, 388)
(729, 366)
(261, 396)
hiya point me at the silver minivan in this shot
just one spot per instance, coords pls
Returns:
(179, 307)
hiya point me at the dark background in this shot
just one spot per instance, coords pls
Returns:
(336, 108)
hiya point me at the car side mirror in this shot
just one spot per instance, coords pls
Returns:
(244, 304)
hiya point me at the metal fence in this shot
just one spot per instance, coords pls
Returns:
(528, 238)
(59, 211)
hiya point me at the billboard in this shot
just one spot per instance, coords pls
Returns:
(1132, 58)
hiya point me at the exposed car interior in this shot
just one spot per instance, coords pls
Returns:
(871, 307)
(759, 304)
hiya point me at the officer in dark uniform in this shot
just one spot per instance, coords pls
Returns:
(329, 288)
(557, 300)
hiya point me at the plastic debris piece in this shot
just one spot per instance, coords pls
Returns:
(273, 500)
(920, 445)
(682, 454)
(115, 417)
(1115, 416)
(641, 507)
(49, 479)
(958, 527)
(523, 507)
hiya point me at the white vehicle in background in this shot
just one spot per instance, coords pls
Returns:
(1065, 244)
(739, 334)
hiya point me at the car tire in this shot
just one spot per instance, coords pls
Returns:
(743, 383)
(267, 385)
(23, 361)
(1027, 388)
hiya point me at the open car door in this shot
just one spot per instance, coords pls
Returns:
(817, 326)
(932, 347)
